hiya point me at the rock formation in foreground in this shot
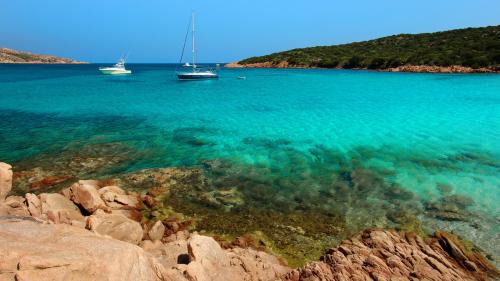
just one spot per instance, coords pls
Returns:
(14, 56)
(388, 255)
(96, 231)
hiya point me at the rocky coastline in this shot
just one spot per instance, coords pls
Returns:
(404, 68)
(98, 230)
(10, 56)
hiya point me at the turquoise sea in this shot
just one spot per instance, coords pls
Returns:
(365, 146)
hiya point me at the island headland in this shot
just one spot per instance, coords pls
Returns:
(469, 50)
(21, 57)
(98, 230)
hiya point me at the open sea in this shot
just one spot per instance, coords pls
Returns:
(346, 149)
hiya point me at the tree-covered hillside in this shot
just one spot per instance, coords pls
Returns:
(471, 47)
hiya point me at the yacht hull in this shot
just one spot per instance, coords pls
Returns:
(196, 76)
(114, 71)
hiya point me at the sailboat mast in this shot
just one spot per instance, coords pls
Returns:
(194, 52)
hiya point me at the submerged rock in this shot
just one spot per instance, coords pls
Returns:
(56, 170)
(450, 208)
(225, 199)
(461, 201)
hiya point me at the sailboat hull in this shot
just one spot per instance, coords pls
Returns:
(197, 75)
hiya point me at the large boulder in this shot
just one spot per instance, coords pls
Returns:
(34, 251)
(116, 226)
(157, 230)
(34, 205)
(208, 261)
(5, 180)
(59, 209)
(118, 201)
(15, 206)
(84, 193)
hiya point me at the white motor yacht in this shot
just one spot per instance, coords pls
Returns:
(118, 68)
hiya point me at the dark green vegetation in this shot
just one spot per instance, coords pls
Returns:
(470, 47)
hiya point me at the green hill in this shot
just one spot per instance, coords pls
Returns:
(469, 47)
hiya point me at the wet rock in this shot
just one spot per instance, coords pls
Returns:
(399, 193)
(388, 255)
(165, 179)
(5, 180)
(59, 209)
(54, 170)
(43, 252)
(444, 188)
(157, 231)
(461, 201)
(466, 257)
(226, 199)
(116, 226)
(48, 182)
(450, 208)
(149, 200)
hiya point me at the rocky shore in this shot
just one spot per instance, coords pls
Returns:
(96, 230)
(14, 56)
(404, 68)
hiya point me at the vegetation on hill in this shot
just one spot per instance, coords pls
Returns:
(470, 47)
(14, 56)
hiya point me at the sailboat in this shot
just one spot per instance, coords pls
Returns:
(196, 73)
(118, 68)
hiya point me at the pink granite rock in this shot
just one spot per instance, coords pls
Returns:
(59, 209)
(34, 205)
(156, 232)
(116, 226)
(389, 255)
(5, 180)
(84, 193)
(43, 252)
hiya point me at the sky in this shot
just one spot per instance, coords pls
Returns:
(154, 30)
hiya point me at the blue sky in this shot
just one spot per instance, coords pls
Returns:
(153, 30)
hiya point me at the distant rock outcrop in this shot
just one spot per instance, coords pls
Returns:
(14, 56)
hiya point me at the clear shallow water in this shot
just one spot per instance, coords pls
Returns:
(294, 131)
